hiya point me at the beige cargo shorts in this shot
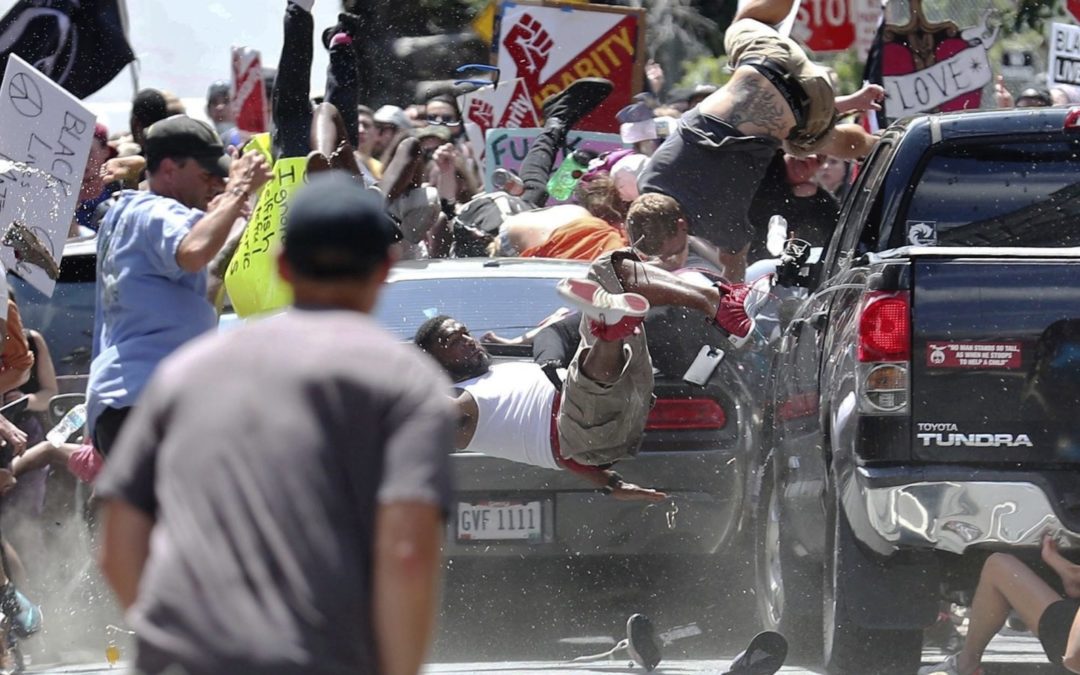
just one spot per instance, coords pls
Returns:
(747, 38)
(600, 423)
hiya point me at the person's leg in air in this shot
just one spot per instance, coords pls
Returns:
(561, 112)
(291, 100)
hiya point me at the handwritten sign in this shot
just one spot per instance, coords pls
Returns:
(252, 280)
(507, 148)
(1064, 55)
(46, 138)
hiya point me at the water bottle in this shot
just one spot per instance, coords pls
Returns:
(562, 183)
(777, 235)
(73, 421)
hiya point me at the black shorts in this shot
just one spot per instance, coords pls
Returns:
(713, 171)
(1054, 625)
(107, 428)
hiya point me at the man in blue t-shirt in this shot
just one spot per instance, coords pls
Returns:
(153, 252)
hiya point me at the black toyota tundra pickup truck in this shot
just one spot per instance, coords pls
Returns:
(924, 400)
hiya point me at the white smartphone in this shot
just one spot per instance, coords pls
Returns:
(704, 365)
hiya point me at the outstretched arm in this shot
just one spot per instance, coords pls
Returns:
(613, 483)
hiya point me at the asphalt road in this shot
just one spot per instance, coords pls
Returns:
(525, 618)
(1007, 656)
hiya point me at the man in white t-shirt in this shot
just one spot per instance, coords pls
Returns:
(517, 412)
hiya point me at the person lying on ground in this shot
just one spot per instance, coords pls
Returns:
(717, 157)
(1008, 584)
(516, 410)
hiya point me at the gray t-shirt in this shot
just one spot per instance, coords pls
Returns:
(263, 454)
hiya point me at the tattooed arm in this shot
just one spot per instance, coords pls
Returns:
(751, 104)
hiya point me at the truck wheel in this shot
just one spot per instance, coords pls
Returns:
(788, 589)
(850, 649)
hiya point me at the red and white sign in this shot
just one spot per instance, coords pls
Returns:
(249, 93)
(504, 107)
(826, 25)
(1074, 8)
(1006, 355)
(549, 46)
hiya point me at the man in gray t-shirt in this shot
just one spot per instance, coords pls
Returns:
(275, 503)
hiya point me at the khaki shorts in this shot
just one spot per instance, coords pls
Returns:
(600, 423)
(747, 38)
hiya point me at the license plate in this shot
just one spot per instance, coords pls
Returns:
(500, 521)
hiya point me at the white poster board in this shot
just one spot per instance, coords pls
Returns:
(1064, 66)
(45, 138)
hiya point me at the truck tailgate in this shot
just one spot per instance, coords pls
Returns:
(996, 360)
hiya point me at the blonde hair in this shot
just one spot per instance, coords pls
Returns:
(652, 219)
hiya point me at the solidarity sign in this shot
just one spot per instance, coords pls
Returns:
(44, 144)
(545, 47)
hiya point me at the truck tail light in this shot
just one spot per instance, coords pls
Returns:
(884, 352)
(1072, 120)
(685, 414)
(885, 327)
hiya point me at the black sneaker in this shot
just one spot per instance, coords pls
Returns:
(641, 636)
(765, 655)
(352, 24)
(577, 100)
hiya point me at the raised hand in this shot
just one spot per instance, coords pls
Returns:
(1002, 94)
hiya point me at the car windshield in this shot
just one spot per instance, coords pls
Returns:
(998, 194)
(508, 306)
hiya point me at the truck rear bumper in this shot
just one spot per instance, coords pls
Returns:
(956, 515)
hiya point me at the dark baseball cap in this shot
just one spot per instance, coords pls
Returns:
(180, 136)
(337, 228)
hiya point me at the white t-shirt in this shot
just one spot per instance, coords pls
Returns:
(514, 422)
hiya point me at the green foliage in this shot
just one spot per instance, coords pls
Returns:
(1033, 14)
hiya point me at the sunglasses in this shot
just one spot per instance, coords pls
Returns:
(443, 120)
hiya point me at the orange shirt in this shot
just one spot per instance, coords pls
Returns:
(582, 239)
(16, 353)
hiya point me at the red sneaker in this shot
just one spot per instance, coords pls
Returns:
(612, 316)
(731, 316)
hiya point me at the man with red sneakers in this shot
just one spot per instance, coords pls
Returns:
(515, 410)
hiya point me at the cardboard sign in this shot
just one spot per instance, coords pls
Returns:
(46, 137)
(548, 46)
(249, 92)
(1064, 66)
(930, 67)
(252, 280)
(506, 148)
(1006, 355)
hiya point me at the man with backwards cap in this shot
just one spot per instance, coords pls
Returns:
(153, 252)
(277, 502)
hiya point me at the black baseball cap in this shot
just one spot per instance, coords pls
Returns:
(180, 136)
(337, 228)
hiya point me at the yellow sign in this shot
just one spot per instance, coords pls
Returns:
(252, 279)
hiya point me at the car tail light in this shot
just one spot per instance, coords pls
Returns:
(885, 327)
(686, 413)
(1072, 120)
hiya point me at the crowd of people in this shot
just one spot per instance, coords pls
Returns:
(253, 537)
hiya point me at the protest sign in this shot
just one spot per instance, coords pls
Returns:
(1064, 55)
(547, 46)
(249, 92)
(506, 148)
(252, 279)
(935, 67)
(46, 137)
(495, 108)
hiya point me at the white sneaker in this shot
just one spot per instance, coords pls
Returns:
(600, 305)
